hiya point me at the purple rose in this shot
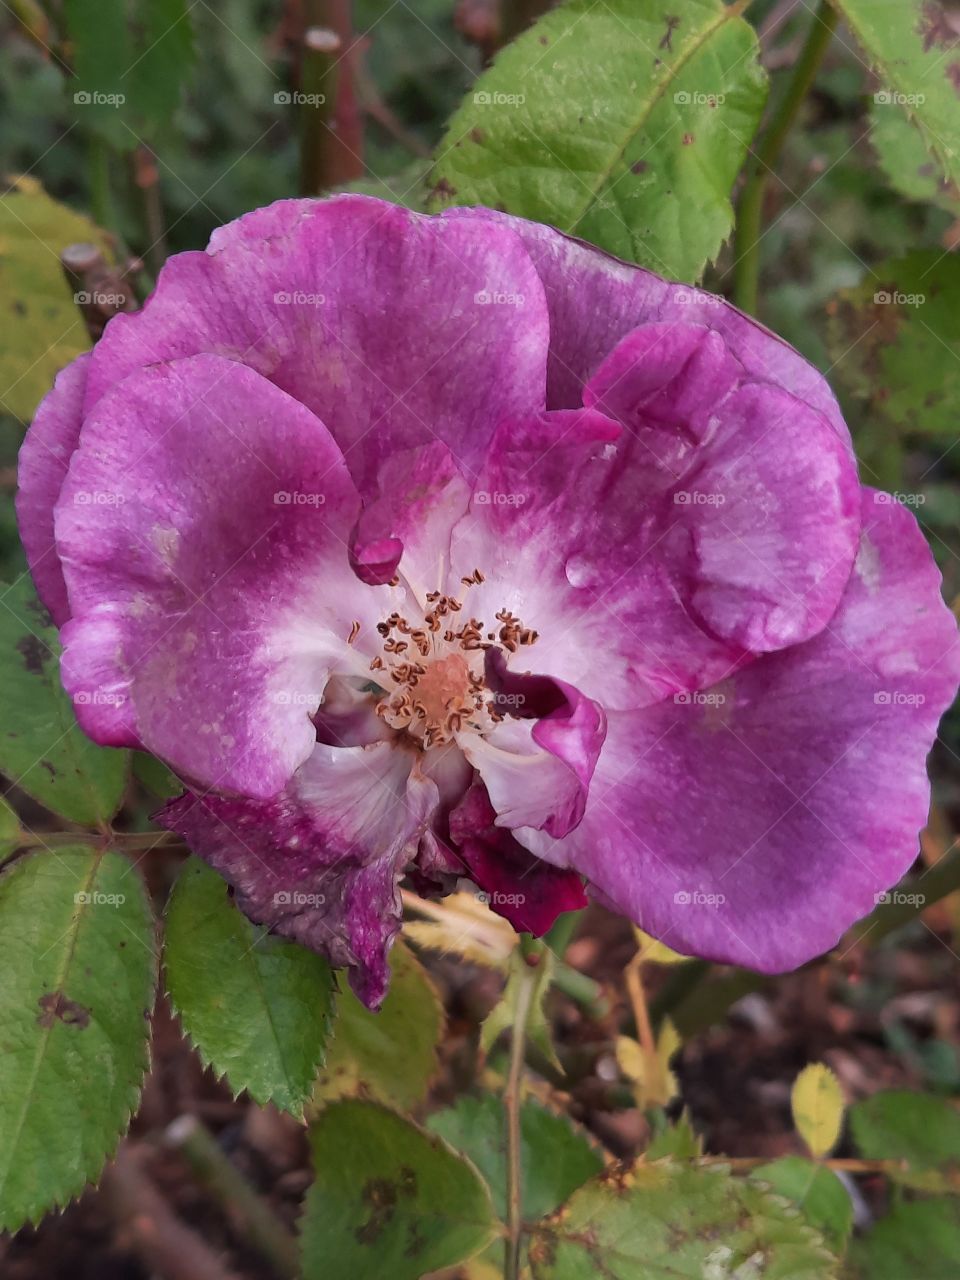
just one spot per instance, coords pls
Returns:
(453, 547)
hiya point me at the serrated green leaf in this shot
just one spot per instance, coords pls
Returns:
(258, 1008)
(42, 748)
(390, 1055)
(556, 1157)
(389, 1199)
(914, 47)
(896, 340)
(816, 1101)
(504, 1014)
(678, 1140)
(79, 980)
(907, 162)
(663, 1222)
(817, 1192)
(624, 123)
(916, 1128)
(41, 328)
(916, 1241)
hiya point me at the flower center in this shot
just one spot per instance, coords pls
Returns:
(433, 673)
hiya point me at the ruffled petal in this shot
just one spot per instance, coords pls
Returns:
(422, 495)
(320, 862)
(742, 824)
(44, 458)
(594, 300)
(203, 527)
(527, 892)
(395, 328)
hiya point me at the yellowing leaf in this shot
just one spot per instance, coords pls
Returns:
(653, 1082)
(651, 949)
(463, 926)
(817, 1104)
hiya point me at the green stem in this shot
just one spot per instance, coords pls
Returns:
(747, 266)
(251, 1215)
(131, 841)
(533, 952)
(101, 191)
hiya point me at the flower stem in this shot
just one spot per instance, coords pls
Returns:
(533, 952)
(747, 265)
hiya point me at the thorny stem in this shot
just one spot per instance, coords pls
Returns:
(533, 952)
(747, 268)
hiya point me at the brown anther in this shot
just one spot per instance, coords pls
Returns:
(354, 632)
(376, 664)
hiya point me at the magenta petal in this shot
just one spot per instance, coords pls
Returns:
(320, 862)
(754, 822)
(44, 458)
(394, 328)
(203, 527)
(594, 300)
(421, 495)
(527, 892)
